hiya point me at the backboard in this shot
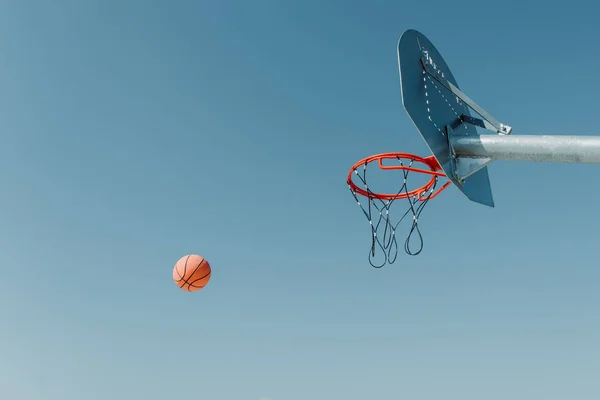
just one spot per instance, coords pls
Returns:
(437, 112)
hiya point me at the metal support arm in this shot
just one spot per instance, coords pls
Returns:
(538, 148)
(492, 123)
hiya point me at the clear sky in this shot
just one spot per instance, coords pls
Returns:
(135, 132)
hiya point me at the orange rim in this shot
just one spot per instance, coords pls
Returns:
(435, 170)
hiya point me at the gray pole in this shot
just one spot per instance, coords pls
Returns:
(540, 148)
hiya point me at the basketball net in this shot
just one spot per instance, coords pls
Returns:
(378, 205)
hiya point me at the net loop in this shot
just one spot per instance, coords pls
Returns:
(378, 205)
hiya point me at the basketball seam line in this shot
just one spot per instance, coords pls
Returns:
(192, 283)
(184, 271)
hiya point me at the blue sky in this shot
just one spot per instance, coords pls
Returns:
(137, 132)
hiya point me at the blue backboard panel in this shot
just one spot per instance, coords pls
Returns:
(432, 107)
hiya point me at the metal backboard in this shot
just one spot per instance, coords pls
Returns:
(434, 109)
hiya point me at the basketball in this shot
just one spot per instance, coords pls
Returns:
(191, 272)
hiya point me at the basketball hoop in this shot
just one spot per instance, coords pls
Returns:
(442, 114)
(381, 202)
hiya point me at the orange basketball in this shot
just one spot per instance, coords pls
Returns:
(191, 272)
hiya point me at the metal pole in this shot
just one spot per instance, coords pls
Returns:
(539, 148)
